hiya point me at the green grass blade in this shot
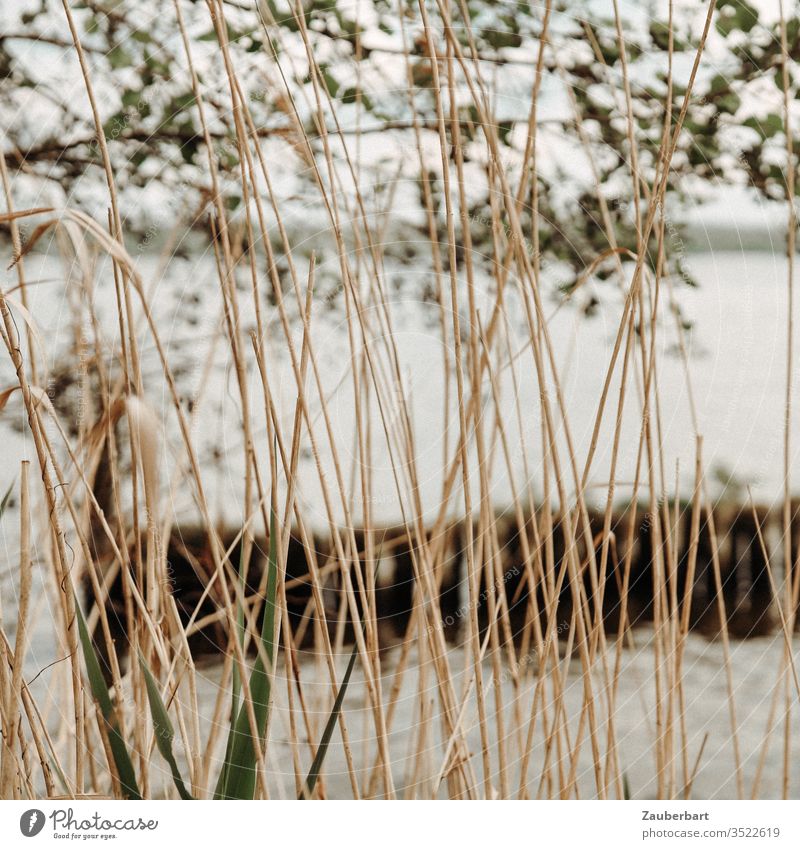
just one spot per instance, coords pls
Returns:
(240, 767)
(236, 684)
(310, 783)
(162, 727)
(319, 758)
(119, 750)
(6, 498)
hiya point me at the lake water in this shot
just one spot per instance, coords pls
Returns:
(737, 365)
(738, 374)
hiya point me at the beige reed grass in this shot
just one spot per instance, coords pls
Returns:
(531, 744)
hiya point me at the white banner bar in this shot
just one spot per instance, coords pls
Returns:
(410, 825)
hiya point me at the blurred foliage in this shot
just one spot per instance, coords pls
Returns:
(733, 131)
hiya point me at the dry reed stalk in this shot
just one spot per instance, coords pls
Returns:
(10, 339)
(316, 582)
(791, 241)
(537, 710)
(13, 694)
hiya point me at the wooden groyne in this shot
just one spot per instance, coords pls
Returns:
(723, 569)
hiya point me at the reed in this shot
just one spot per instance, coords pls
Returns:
(304, 699)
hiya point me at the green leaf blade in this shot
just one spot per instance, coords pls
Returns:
(241, 766)
(119, 750)
(162, 727)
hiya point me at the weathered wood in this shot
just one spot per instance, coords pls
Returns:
(636, 556)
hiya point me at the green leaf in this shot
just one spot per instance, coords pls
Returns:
(350, 95)
(162, 728)
(504, 129)
(767, 128)
(660, 34)
(236, 685)
(498, 38)
(131, 98)
(6, 499)
(322, 750)
(735, 15)
(118, 58)
(119, 751)
(240, 779)
(233, 34)
(307, 791)
(330, 81)
(722, 96)
(181, 103)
